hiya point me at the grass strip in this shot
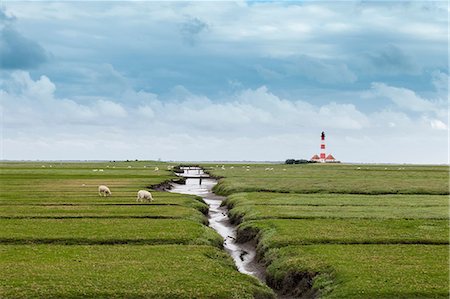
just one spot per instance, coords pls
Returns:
(391, 200)
(107, 231)
(147, 211)
(123, 271)
(361, 271)
(246, 212)
(282, 232)
(333, 178)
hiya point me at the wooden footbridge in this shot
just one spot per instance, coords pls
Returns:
(193, 172)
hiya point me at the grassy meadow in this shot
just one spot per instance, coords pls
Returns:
(60, 239)
(334, 178)
(344, 231)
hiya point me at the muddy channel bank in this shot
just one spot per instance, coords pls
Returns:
(194, 181)
(244, 254)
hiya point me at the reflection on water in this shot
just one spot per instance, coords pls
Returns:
(242, 254)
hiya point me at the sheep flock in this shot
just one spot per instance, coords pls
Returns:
(142, 195)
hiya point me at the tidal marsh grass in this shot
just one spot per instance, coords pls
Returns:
(60, 239)
(285, 232)
(367, 271)
(294, 199)
(334, 178)
(344, 231)
(123, 271)
(106, 231)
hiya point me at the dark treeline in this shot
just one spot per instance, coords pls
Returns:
(301, 161)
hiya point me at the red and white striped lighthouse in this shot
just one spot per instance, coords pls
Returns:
(322, 147)
(323, 158)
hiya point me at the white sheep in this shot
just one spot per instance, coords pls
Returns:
(103, 190)
(144, 194)
(156, 168)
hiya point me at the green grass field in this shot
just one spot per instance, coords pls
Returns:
(107, 231)
(109, 210)
(333, 231)
(334, 178)
(345, 231)
(284, 232)
(366, 271)
(122, 271)
(60, 239)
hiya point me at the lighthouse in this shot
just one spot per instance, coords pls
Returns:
(323, 158)
(322, 147)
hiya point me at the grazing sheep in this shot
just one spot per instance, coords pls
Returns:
(144, 194)
(156, 168)
(103, 190)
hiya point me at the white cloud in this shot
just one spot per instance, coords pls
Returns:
(438, 125)
(405, 98)
(109, 109)
(302, 28)
(32, 102)
(251, 124)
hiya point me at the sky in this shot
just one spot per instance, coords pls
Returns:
(224, 80)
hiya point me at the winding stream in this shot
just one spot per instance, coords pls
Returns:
(199, 183)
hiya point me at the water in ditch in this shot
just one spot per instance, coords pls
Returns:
(243, 254)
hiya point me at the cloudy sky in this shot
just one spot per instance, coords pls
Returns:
(241, 80)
